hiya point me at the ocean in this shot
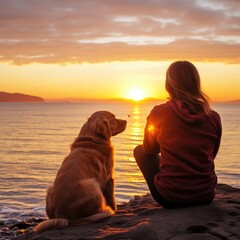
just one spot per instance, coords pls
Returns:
(35, 138)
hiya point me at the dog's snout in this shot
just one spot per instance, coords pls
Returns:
(123, 122)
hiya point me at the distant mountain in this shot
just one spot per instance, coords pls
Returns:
(19, 97)
(97, 100)
(235, 101)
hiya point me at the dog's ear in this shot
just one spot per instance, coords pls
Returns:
(103, 129)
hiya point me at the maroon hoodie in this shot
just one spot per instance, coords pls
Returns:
(188, 144)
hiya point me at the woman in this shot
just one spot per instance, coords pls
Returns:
(181, 140)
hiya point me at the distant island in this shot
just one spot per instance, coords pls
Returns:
(102, 100)
(235, 101)
(19, 97)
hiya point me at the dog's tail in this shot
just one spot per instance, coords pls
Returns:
(59, 223)
(93, 218)
(56, 223)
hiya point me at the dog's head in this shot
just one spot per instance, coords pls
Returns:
(102, 124)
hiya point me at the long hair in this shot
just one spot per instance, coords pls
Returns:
(183, 84)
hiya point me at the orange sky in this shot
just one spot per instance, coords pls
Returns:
(103, 49)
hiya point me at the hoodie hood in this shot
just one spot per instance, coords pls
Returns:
(193, 119)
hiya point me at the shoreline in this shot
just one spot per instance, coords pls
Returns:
(143, 218)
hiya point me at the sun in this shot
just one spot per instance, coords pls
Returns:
(136, 94)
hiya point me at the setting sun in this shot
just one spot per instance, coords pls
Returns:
(136, 94)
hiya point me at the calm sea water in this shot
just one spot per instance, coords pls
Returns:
(35, 138)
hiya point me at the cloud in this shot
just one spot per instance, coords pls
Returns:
(61, 31)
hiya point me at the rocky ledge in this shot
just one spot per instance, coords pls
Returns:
(142, 218)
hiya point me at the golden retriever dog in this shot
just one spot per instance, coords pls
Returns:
(83, 190)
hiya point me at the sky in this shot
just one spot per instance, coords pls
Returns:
(117, 48)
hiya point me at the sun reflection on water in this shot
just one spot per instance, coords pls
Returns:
(127, 172)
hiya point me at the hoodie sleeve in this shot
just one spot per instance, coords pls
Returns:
(218, 125)
(150, 144)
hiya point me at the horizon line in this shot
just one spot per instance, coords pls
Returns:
(144, 100)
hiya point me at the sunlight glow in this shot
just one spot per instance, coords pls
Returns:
(136, 94)
(150, 128)
(91, 81)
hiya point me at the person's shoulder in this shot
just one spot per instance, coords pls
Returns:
(162, 106)
(213, 114)
(160, 109)
(216, 120)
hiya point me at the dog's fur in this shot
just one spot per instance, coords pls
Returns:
(83, 190)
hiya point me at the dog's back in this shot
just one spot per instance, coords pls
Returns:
(77, 190)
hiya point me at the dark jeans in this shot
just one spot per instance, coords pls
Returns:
(149, 166)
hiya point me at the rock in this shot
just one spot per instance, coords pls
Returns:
(143, 218)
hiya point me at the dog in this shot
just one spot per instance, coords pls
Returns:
(83, 190)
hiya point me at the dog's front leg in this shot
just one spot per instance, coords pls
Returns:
(49, 207)
(108, 193)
